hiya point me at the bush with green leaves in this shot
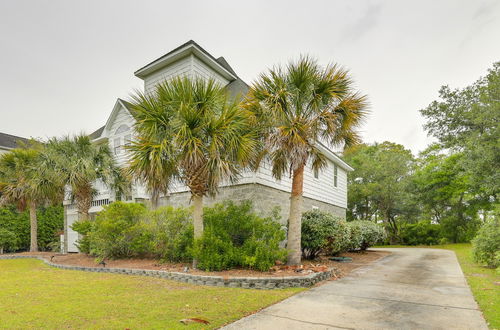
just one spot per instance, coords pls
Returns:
(8, 241)
(323, 232)
(235, 236)
(125, 230)
(366, 234)
(171, 230)
(50, 225)
(116, 232)
(486, 244)
(421, 233)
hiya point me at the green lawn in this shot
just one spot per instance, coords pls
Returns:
(484, 282)
(34, 295)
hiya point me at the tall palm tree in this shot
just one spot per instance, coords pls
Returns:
(81, 163)
(25, 181)
(301, 106)
(203, 136)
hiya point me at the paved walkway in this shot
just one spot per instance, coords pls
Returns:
(409, 289)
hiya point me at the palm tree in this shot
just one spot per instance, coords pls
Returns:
(204, 137)
(301, 106)
(25, 181)
(152, 157)
(81, 163)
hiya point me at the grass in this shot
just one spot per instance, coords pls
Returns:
(34, 295)
(484, 282)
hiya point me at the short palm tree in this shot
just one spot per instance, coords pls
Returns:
(81, 163)
(203, 137)
(301, 106)
(26, 182)
(152, 157)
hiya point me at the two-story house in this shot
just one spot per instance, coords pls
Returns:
(326, 189)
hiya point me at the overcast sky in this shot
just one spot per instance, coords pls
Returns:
(64, 63)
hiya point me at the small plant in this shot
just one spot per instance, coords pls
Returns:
(486, 244)
(322, 232)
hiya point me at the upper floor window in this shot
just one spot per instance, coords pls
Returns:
(122, 138)
(316, 173)
(335, 175)
(122, 129)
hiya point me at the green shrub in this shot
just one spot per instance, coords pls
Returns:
(84, 228)
(50, 224)
(125, 230)
(235, 236)
(8, 241)
(367, 232)
(118, 232)
(172, 233)
(486, 245)
(421, 233)
(322, 232)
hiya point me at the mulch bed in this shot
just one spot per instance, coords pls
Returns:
(308, 266)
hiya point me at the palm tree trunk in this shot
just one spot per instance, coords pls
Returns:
(155, 198)
(295, 218)
(197, 219)
(34, 227)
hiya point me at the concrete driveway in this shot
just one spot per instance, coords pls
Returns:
(409, 289)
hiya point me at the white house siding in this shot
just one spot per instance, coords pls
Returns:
(123, 117)
(190, 66)
(200, 69)
(179, 68)
(321, 189)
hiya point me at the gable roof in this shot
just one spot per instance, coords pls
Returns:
(119, 102)
(8, 141)
(191, 47)
(97, 133)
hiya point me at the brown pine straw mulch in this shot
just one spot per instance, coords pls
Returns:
(307, 267)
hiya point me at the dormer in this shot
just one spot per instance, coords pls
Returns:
(189, 60)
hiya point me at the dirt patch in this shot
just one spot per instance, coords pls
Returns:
(308, 266)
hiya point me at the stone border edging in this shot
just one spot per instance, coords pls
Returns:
(230, 282)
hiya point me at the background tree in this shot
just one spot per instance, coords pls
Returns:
(466, 120)
(200, 135)
(299, 107)
(378, 186)
(28, 183)
(443, 188)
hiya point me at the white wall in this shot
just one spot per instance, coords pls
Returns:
(322, 188)
(190, 66)
(122, 117)
(179, 68)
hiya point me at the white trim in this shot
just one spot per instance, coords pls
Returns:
(116, 108)
(334, 157)
(179, 54)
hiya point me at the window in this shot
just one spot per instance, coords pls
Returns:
(127, 139)
(122, 129)
(117, 146)
(316, 173)
(335, 175)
